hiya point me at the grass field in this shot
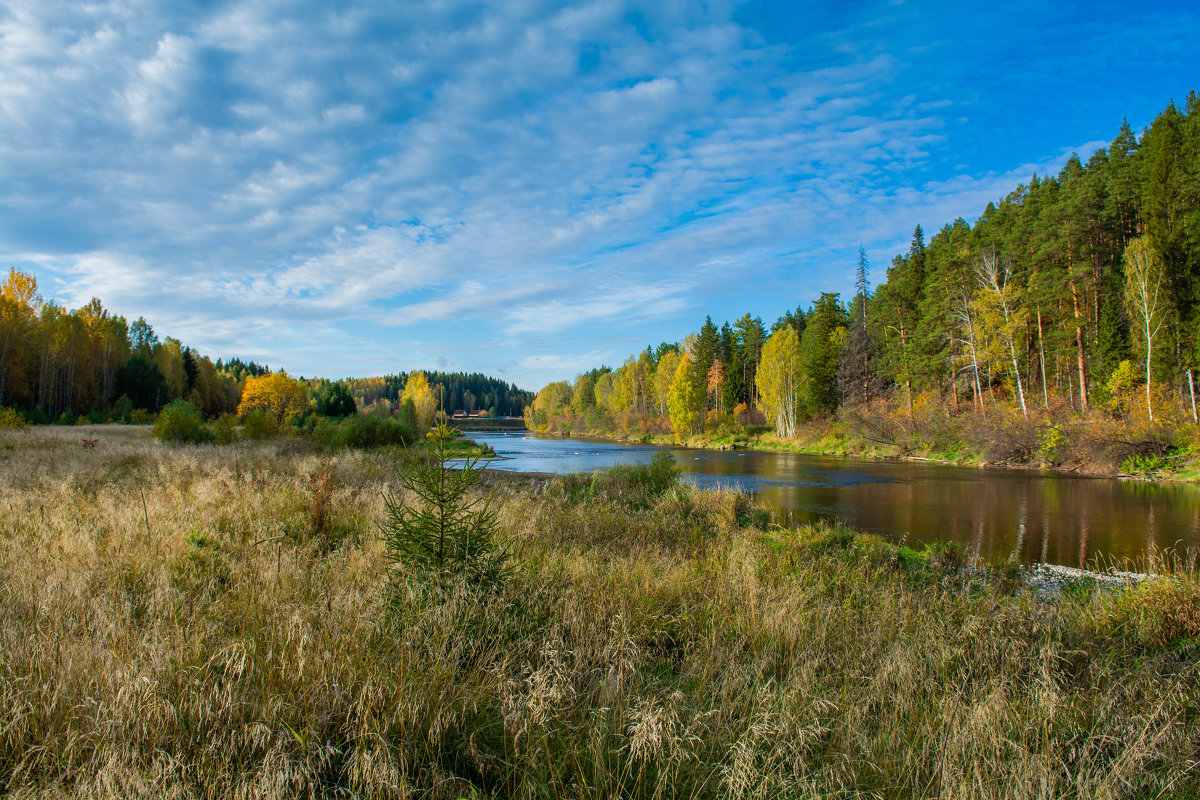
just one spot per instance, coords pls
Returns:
(210, 621)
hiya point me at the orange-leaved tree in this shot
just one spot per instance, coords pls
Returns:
(277, 394)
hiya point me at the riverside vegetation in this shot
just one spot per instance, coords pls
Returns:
(227, 621)
(1058, 329)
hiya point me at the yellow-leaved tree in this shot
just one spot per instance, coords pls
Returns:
(664, 379)
(686, 400)
(19, 306)
(277, 394)
(417, 389)
(1146, 298)
(779, 378)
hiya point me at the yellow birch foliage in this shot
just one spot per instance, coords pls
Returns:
(277, 394)
(664, 378)
(686, 400)
(780, 375)
(417, 389)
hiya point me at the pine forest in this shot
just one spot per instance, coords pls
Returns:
(1076, 292)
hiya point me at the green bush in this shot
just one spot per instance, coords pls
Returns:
(224, 428)
(375, 430)
(362, 431)
(122, 410)
(180, 421)
(1053, 443)
(1138, 464)
(259, 424)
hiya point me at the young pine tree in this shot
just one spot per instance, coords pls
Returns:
(445, 538)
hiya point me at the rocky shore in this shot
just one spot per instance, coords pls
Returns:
(1049, 580)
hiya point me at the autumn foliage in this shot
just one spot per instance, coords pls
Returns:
(277, 394)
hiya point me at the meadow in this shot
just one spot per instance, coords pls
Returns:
(215, 621)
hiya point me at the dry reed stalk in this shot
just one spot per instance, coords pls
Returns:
(151, 644)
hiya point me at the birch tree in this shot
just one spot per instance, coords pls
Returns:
(686, 399)
(1002, 308)
(965, 337)
(417, 389)
(1144, 282)
(779, 378)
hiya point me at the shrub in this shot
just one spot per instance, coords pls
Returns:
(362, 431)
(748, 417)
(179, 421)
(258, 424)
(122, 410)
(224, 428)
(375, 430)
(318, 507)
(1142, 464)
(1053, 443)
(11, 419)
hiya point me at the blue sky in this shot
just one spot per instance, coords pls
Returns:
(523, 188)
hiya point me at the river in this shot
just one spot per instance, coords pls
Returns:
(997, 514)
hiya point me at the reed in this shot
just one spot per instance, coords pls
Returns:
(208, 621)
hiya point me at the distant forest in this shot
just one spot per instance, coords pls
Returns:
(58, 365)
(1080, 289)
(456, 391)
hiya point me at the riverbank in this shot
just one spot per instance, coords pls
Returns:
(214, 623)
(1055, 440)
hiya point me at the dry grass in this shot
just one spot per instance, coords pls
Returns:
(207, 622)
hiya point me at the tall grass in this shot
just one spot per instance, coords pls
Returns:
(177, 621)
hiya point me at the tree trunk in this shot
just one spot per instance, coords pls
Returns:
(907, 371)
(1149, 407)
(1042, 359)
(1083, 397)
(1191, 391)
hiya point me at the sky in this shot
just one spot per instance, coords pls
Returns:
(529, 189)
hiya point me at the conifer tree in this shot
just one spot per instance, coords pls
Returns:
(444, 537)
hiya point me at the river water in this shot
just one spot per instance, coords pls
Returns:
(997, 514)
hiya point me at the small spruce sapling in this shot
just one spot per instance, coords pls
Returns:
(444, 538)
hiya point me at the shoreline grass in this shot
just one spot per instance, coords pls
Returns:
(182, 621)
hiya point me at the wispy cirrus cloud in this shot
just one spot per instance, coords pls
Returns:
(507, 188)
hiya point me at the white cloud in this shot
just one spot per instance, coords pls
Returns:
(519, 177)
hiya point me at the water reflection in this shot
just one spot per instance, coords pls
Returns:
(996, 513)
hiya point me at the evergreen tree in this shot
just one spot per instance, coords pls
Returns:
(705, 352)
(334, 400)
(749, 336)
(824, 335)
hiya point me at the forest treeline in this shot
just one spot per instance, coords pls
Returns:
(61, 365)
(1079, 290)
